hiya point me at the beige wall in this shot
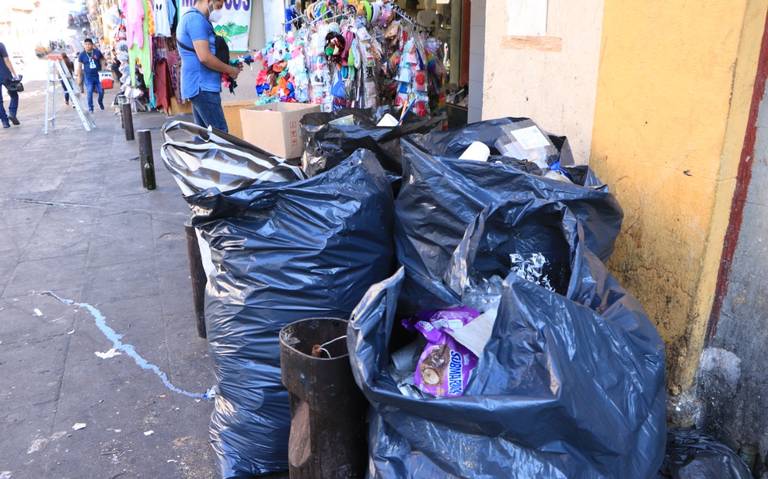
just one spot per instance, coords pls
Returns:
(476, 60)
(555, 86)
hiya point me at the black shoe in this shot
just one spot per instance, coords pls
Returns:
(101, 105)
(14, 120)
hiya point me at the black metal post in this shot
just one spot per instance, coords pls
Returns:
(127, 116)
(120, 101)
(199, 280)
(146, 159)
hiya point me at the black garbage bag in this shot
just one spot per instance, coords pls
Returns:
(452, 143)
(331, 137)
(692, 454)
(569, 386)
(283, 251)
(200, 158)
(440, 196)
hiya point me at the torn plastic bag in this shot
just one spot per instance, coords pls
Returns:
(331, 137)
(283, 252)
(692, 454)
(201, 158)
(569, 386)
(440, 196)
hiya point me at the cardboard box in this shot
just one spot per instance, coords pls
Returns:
(232, 115)
(180, 108)
(275, 127)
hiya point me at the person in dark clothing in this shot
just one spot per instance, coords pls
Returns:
(115, 67)
(71, 67)
(7, 73)
(116, 75)
(91, 62)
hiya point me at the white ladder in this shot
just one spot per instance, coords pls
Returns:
(59, 73)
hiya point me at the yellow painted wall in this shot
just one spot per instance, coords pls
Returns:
(673, 94)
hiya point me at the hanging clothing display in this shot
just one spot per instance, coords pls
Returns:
(143, 56)
(172, 19)
(174, 68)
(162, 18)
(145, 48)
(133, 10)
(348, 54)
(163, 85)
(166, 65)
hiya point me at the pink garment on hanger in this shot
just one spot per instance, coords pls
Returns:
(134, 21)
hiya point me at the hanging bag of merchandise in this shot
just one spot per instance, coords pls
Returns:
(354, 55)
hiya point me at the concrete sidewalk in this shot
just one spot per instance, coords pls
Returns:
(76, 221)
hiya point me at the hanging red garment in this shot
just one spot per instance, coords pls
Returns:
(163, 85)
(174, 65)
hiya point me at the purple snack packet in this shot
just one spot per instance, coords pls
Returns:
(444, 367)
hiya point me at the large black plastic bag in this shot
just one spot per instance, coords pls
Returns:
(283, 252)
(692, 454)
(440, 196)
(569, 386)
(201, 158)
(452, 143)
(327, 143)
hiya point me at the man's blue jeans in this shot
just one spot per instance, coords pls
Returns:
(90, 87)
(13, 106)
(207, 110)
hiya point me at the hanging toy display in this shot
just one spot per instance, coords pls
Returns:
(334, 47)
(353, 53)
(297, 69)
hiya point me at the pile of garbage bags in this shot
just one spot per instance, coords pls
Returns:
(282, 250)
(485, 332)
(569, 376)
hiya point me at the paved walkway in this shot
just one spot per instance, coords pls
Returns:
(75, 220)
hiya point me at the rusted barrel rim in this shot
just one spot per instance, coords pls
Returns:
(285, 343)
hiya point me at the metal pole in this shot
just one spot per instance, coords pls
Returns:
(120, 101)
(127, 121)
(145, 156)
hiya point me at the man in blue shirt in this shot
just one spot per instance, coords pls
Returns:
(91, 62)
(7, 73)
(200, 69)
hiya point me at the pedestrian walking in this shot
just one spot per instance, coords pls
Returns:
(91, 62)
(200, 68)
(7, 75)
